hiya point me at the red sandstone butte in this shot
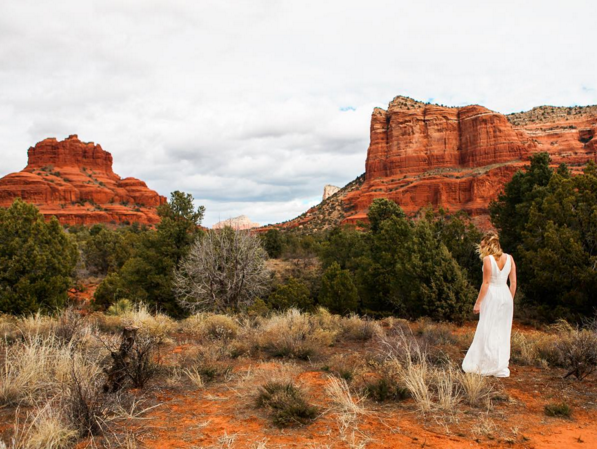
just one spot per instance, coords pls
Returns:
(74, 181)
(460, 158)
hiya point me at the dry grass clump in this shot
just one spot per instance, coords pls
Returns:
(286, 402)
(157, 326)
(357, 328)
(477, 390)
(206, 363)
(524, 349)
(33, 369)
(342, 398)
(45, 428)
(36, 325)
(294, 334)
(433, 387)
(214, 326)
(346, 366)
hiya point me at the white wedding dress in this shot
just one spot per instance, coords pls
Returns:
(489, 353)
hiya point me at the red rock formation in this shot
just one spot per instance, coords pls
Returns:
(460, 158)
(74, 181)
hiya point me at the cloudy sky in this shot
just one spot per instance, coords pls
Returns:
(253, 106)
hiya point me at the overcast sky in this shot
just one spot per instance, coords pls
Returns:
(253, 106)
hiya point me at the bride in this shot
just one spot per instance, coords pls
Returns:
(489, 353)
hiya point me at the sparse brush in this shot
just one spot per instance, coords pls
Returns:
(209, 362)
(213, 326)
(37, 325)
(194, 376)
(287, 404)
(294, 335)
(578, 351)
(558, 410)
(384, 389)
(357, 328)
(339, 392)
(477, 389)
(157, 326)
(435, 333)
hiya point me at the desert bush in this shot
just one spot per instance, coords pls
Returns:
(434, 333)
(292, 334)
(559, 410)
(578, 352)
(388, 384)
(224, 270)
(157, 326)
(213, 326)
(286, 402)
(357, 328)
(207, 362)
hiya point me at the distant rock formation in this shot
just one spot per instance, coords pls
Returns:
(458, 158)
(74, 181)
(242, 222)
(328, 191)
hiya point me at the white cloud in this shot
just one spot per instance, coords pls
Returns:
(254, 106)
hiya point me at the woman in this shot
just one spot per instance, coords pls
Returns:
(489, 353)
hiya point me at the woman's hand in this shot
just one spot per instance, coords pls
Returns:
(477, 308)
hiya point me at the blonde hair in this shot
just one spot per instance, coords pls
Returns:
(490, 246)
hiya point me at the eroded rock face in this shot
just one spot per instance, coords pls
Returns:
(328, 191)
(242, 222)
(74, 181)
(460, 158)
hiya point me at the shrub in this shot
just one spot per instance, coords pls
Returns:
(225, 270)
(385, 389)
(293, 335)
(558, 410)
(287, 404)
(292, 294)
(357, 328)
(578, 352)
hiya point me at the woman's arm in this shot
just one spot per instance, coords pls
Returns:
(485, 285)
(512, 278)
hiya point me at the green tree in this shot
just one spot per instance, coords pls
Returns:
(293, 293)
(272, 242)
(382, 209)
(429, 281)
(148, 275)
(37, 259)
(338, 292)
(510, 212)
(105, 251)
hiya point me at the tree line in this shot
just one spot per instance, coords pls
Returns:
(394, 265)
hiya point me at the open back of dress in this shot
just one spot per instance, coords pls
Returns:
(489, 353)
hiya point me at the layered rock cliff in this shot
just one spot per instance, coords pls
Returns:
(74, 181)
(242, 222)
(458, 158)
